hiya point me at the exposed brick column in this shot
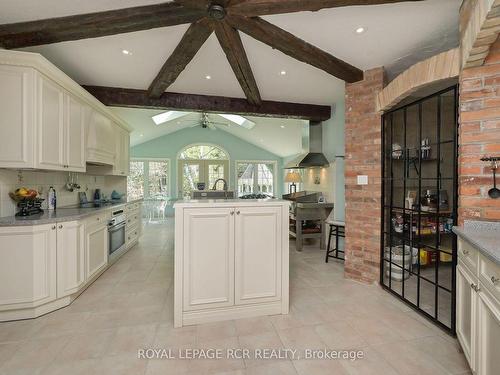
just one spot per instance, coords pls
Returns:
(363, 139)
(479, 135)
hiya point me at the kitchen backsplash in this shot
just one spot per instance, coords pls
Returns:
(10, 180)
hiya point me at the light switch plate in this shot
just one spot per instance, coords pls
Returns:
(363, 180)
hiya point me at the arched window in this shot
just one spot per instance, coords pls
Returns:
(199, 167)
(203, 152)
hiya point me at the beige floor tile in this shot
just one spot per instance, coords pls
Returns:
(279, 368)
(372, 363)
(216, 331)
(339, 335)
(224, 364)
(174, 338)
(86, 345)
(128, 340)
(301, 338)
(319, 367)
(122, 365)
(253, 326)
(78, 367)
(374, 332)
(269, 340)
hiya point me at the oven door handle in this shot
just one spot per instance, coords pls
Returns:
(115, 228)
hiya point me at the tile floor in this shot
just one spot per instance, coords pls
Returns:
(130, 307)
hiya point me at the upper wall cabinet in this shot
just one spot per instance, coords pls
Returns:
(101, 142)
(49, 122)
(17, 103)
(121, 166)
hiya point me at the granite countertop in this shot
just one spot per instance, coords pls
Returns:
(483, 235)
(61, 214)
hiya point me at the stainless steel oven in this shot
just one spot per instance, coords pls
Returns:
(116, 231)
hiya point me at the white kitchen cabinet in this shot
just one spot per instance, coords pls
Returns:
(27, 267)
(17, 119)
(208, 258)
(488, 332)
(478, 309)
(75, 139)
(122, 146)
(70, 257)
(50, 125)
(96, 246)
(258, 254)
(466, 312)
(231, 261)
(101, 147)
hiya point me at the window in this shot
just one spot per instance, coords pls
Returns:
(256, 177)
(201, 164)
(148, 179)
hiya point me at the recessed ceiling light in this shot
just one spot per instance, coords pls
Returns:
(208, 77)
(142, 135)
(282, 126)
(360, 30)
(283, 73)
(126, 52)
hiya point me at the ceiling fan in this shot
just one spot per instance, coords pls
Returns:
(207, 123)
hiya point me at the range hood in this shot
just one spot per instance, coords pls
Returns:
(315, 157)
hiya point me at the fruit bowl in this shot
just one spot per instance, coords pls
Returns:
(23, 195)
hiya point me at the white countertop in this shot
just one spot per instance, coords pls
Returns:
(230, 202)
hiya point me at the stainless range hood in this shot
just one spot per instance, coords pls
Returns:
(315, 157)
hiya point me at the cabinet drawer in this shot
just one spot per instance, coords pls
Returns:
(468, 255)
(133, 206)
(489, 275)
(132, 235)
(133, 218)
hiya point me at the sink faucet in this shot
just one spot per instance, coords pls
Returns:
(215, 184)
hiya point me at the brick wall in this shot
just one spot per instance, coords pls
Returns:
(479, 135)
(363, 139)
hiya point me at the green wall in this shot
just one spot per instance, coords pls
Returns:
(169, 146)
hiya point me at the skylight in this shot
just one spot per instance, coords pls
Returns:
(241, 121)
(168, 116)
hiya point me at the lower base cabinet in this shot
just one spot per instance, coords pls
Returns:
(478, 310)
(230, 262)
(70, 258)
(96, 248)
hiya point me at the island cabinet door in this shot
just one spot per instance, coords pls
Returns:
(208, 258)
(466, 313)
(258, 254)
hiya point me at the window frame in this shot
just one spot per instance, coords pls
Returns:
(146, 174)
(275, 171)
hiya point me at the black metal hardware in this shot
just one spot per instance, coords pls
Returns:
(418, 250)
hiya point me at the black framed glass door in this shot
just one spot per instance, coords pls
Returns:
(418, 252)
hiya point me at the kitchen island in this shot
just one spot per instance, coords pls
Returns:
(231, 259)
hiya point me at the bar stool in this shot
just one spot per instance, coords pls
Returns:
(337, 229)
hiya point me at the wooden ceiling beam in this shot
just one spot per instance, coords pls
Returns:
(231, 44)
(93, 25)
(289, 44)
(253, 8)
(131, 98)
(190, 44)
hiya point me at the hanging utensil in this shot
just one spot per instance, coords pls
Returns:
(494, 192)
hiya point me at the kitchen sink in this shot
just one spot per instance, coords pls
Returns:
(212, 194)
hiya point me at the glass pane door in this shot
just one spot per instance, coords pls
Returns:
(190, 173)
(215, 170)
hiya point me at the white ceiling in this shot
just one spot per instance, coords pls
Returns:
(267, 133)
(397, 35)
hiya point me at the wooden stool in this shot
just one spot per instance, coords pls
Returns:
(337, 229)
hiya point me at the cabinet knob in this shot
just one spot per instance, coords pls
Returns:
(53, 227)
(232, 212)
(60, 226)
(237, 212)
(494, 280)
(465, 252)
(98, 219)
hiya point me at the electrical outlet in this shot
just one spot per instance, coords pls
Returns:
(363, 180)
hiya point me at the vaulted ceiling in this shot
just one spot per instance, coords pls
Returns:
(396, 35)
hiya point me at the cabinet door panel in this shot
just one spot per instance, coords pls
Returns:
(75, 135)
(17, 117)
(258, 254)
(50, 125)
(208, 258)
(70, 258)
(96, 249)
(488, 360)
(466, 313)
(29, 263)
